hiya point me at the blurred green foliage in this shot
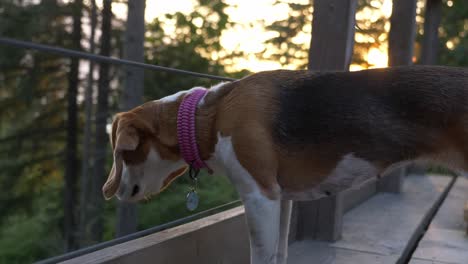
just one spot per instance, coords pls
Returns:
(453, 33)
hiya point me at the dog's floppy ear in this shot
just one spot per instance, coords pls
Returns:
(123, 137)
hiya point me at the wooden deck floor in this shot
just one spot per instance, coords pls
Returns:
(445, 240)
(387, 227)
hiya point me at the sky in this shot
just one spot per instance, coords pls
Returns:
(245, 14)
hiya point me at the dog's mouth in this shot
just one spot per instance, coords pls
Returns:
(174, 175)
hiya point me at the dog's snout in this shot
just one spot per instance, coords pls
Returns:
(135, 190)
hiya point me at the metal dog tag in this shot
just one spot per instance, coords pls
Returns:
(192, 200)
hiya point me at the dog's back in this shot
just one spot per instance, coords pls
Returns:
(384, 115)
(369, 119)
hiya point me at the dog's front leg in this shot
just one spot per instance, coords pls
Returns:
(263, 219)
(285, 219)
(262, 213)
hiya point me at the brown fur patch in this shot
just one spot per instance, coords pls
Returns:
(245, 114)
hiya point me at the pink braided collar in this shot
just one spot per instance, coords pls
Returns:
(186, 129)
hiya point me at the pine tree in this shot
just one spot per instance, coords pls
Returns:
(101, 139)
(71, 169)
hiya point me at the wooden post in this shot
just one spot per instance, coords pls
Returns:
(466, 216)
(431, 30)
(400, 52)
(330, 50)
(402, 32)
(429, 52)
(321, 219)
(393, 181)
(332, 42)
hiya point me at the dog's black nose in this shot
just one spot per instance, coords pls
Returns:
(135, 190)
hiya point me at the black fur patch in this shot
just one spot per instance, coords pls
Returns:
(380, 115)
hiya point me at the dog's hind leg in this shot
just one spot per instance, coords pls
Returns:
(285, 219)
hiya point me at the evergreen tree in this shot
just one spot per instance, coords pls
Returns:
(71, 157)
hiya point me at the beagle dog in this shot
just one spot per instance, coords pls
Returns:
(294, 135)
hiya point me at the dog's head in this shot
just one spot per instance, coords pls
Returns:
(146, 156)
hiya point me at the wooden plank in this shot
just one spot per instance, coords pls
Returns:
(375, 220)
(445, 241)
(310, 252)
(220, 238)
(443, 245)
(381, 230)
(421, 261)
(450, 214)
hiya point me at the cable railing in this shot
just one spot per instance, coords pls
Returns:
(104, 59)
(116, 61)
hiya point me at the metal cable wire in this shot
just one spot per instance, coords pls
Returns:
(104, 59)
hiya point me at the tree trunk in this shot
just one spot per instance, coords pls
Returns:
(431, 29)
(88, 105)
(101, 139)
(132, 95)
(402, 32)
(71, 169)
